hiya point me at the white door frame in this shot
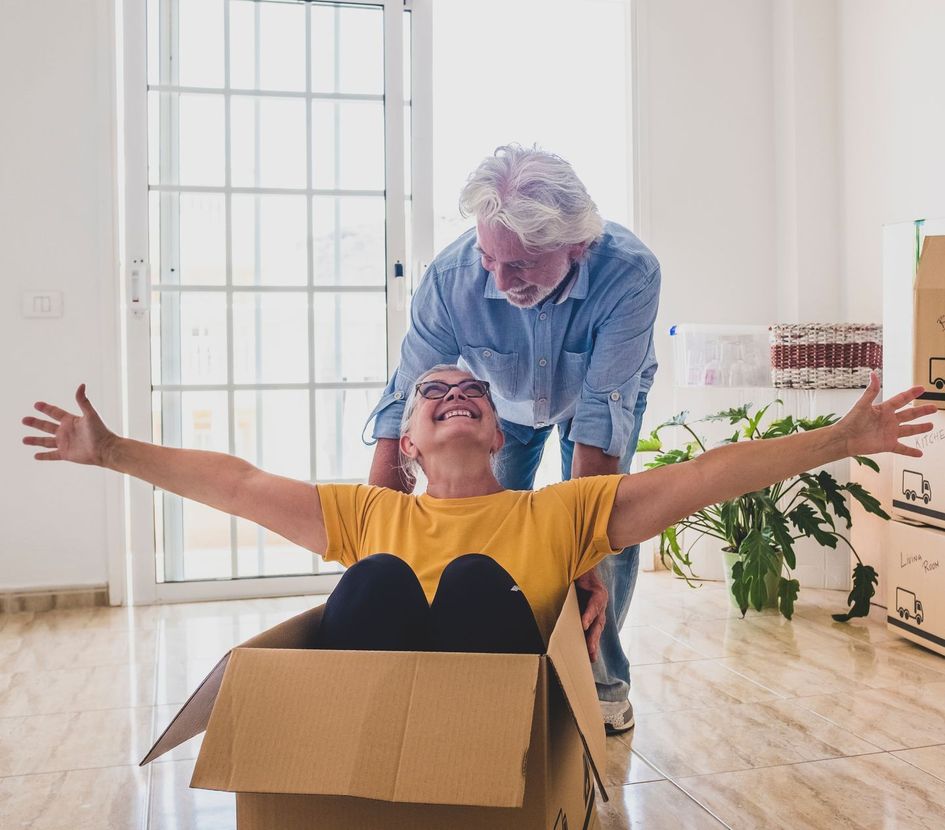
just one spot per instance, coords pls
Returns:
(134, 255)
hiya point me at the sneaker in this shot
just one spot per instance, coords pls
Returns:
(618, 716)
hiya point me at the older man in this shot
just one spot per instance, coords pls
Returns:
(555, 308)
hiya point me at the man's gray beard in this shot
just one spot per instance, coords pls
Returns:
(533, 297)
(538, 293)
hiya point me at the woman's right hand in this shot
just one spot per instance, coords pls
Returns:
(83, 438)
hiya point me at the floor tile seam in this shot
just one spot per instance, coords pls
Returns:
(777, 695)
(681, 779)
(79, 712)
(665, 662)
(84, 768)
(675, 783)
(916, 766)
(885, 647)
(683, 643)
(159, 637)
(77, 668)
(131, 766)
(83, 711)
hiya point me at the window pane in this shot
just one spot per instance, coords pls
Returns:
(193, 540)
(192, 337)
(267, 46)
(358, 68)
(270, 337)
(193, 420)
(408, 35)
(350, 337)
(348, 145)
(272, 430)
(268, 142)
(261, 552)
(193, 152)
(340, 416)
(206, 542)
(270, 244)
(349, 240)
(200, 43)
(201, 239)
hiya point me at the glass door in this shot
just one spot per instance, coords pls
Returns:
(271, 292)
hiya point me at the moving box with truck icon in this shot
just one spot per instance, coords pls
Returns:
(914, 575)
(919, 483)
(929, 323)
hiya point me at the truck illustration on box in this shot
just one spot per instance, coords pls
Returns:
(915, 486)
(908, 606)
(937, 372)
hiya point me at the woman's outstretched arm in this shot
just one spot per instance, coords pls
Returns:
(647, 503)
(288, 507)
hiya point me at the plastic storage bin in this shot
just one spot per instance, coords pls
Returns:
(718, 355)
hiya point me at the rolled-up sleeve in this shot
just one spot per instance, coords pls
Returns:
(429, 340)
(604, 415)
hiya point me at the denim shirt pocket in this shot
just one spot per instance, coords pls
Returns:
(382, 404)
(572, 370)
(499, 368)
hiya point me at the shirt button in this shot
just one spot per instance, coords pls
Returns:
(615, 396)
(542, 362)
(540, 424)
(543, 316)
(542, 401)
(487, 352)
(398, 395)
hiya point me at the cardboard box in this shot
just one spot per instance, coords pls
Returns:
(929, 321)
(915, 584)
(919, 483)
(311, 738)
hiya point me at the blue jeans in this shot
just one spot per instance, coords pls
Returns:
(517, 464)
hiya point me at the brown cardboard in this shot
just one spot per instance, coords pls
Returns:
(194, 715)
(929, 324)
(919, 483)
(915, 584)
(339, 739)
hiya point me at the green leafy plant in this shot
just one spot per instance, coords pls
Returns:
(762, 527)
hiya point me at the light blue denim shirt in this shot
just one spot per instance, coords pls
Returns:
(583, 354)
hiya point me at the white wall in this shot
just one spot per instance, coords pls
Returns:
(739, 163)
(892, 63)
(56, 232)
(706, 164)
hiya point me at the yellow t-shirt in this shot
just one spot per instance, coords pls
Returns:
(544, 539)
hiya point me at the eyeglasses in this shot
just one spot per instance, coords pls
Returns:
(435, 390)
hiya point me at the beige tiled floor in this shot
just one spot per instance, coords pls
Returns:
(740, 723)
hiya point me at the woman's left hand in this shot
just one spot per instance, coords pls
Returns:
(871, 428)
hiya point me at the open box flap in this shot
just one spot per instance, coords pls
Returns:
(567, 651)
(434, 728)
(193, 717)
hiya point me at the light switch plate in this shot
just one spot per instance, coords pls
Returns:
(42, 304)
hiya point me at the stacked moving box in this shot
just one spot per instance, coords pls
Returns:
(914, 323)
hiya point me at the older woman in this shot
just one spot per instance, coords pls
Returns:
(468, 565)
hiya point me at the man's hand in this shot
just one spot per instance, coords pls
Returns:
(593, 599)
(82, 439)
(386, 470)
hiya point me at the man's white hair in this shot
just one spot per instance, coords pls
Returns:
(536, 195)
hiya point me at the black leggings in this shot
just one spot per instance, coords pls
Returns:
(379, 606)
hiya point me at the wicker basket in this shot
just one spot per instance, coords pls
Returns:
(825, 355)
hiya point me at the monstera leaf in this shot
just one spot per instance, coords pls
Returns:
(788, 590)
(865, 579)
